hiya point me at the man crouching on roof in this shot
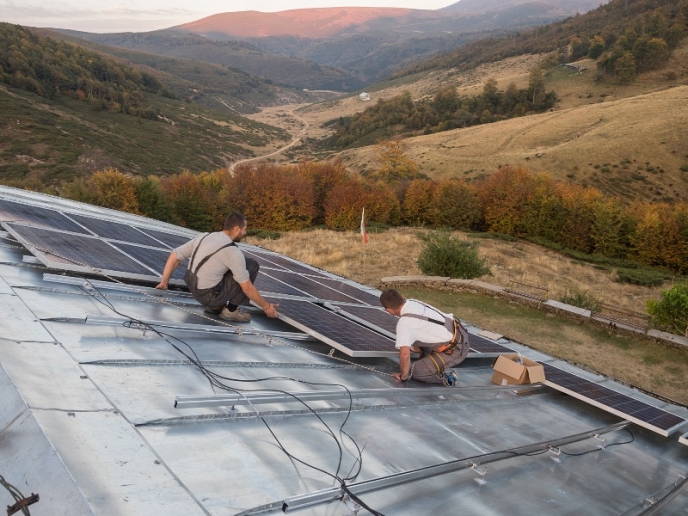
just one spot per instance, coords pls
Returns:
(440, 339)
(219, 276)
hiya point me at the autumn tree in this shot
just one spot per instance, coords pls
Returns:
(417, 208)
(111, 188)
(455, 205)
(188, 201)
(323, 177)
(394, 164)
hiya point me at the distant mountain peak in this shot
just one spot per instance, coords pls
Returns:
(304, 23)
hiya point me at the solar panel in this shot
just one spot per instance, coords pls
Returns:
(483, 345)
(265, 283)
(153, 258)
(169, 239)
(262, 261)
(381, 320)
(34, 215)
(351, 291)
(76, 252)
(639, 412)
(308, 286)
(290, 265)
(335, 330)
(114, 230)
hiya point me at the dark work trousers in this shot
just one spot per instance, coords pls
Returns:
(424, 369)
(228, 290)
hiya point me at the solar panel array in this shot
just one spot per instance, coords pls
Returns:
(483, 345)
(266, 284)
(153, 258)
(370, 315)
(353, 292)
(17, 212)
(114, 230)
(639, 412)
(335, 330)
(284, 263)
(308, 286)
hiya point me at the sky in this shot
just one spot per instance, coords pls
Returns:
(147, 15)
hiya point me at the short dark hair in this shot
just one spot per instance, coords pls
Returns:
(390, 298)
(233, 220)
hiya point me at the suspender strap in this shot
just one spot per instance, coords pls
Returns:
(204, 260)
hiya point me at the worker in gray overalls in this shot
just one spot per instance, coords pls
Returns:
(440, 339)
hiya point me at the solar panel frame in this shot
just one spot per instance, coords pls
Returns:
(308, 286)
(648, 416)
(79, 253)
(110, 230)
(283, 262)
(335, 330)
(483, 345)
(374, 318)
(267, 284)
(26, 214)
(263, 262)
(684, 439)
(171, 240)
(145, 255)
(350, 290)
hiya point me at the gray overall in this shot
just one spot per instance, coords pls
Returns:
(227, 291)
(432, 363)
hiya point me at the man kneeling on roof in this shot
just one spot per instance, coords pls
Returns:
(440, 339)
(219, 276)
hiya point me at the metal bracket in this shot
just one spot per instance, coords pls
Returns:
(481, 471)
(21, 504)
(600, 445)
(555, 453)
(353, 506)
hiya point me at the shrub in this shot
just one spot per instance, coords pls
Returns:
(671, 312)
(444, 255)
(643, 277)
(580, 299)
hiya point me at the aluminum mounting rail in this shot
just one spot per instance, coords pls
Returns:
(653, 504)
(168, 295)
(142, 324)
(325, 496)
(259, 397)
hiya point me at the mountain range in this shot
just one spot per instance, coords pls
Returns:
(338, 48)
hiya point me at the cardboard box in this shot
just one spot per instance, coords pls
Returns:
(507, 371)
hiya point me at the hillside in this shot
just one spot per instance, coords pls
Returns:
(209, 84)
(282, 70)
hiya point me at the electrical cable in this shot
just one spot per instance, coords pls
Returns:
(215, 380)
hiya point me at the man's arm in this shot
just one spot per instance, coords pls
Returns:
(252, 293)
(404, 364)
(170, 266)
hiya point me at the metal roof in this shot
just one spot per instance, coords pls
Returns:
(88, 418)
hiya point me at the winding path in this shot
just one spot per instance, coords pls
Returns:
(296, 140)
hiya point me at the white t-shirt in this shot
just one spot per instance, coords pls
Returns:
(212, 272)
(410, 329)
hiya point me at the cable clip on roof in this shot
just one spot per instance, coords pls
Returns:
(351, 505)
(600, 445)
(481, 471)
(555, 453)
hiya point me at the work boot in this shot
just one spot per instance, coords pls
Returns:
(235, 316)
(452, 378)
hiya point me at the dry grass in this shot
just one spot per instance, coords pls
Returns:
(394, 253)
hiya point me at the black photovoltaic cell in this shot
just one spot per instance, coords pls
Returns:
(169, 239)
(265, 283)
(374, 316)
(351, 291)
(344, 332)
(16, 212)
(81, 251)
(308, 286)
(153, 258)
(290, 265)
(639, 410)
(262, 261)
(114, 230)
(483, 345)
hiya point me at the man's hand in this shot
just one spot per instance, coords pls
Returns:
(271, 310)
(397, 377)
(162, 285)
